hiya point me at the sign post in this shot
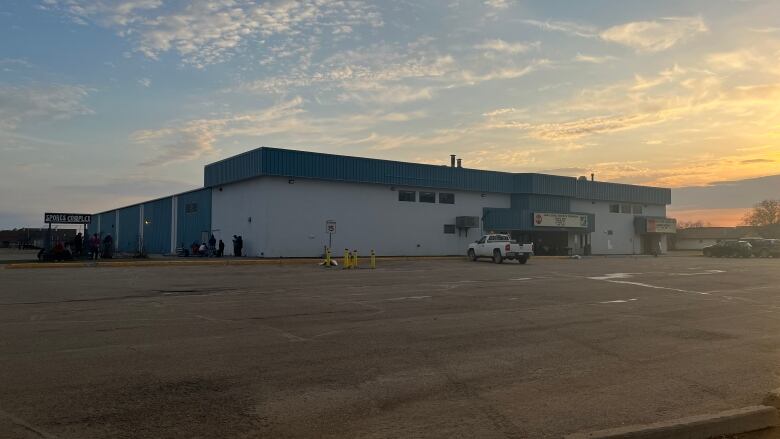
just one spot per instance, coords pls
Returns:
(330, 229)
(63, 218)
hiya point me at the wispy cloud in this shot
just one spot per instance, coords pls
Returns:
(145, 82)
(567, 27)
(204, 32)
(501, 46)
(655, 35)
(594, 59)
(20, 104)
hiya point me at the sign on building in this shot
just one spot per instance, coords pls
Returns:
(66, 218)
(571, 220)
(661, 225)
(330, 227)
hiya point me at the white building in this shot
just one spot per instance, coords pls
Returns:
(279, 201)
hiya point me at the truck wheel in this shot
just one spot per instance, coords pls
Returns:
(472, 256)
(522, 259)
(497, 258)
(764, 253)
(707, 254)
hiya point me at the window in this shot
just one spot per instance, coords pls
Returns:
(407, 196)
(614, 208)
(625, 208)
(446, 198)
(449, 229)
(191, 208)
(636, 209)
(427, 197)
(498, 238)
(481, 240)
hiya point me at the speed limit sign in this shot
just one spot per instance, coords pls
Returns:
(330, 227)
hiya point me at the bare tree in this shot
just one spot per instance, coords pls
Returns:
(692, 224)
(764, 213)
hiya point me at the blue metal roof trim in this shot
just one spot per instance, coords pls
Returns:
(505, 219)
(302, 164)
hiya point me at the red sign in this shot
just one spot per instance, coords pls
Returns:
(538, 219)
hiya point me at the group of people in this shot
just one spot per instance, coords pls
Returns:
(214, 249)
(80, 246)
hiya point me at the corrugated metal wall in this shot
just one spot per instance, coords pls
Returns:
(127, 233)
(190, 226)
(301, 164)
(157, 226)
(107, 220)
(540, 203)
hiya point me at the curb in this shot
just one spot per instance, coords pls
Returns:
(720, 424)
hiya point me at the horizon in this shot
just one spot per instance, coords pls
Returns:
(109, 103)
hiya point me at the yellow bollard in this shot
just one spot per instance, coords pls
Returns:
(355, 263)
(373, 259)
(327, 257)
(347, 257)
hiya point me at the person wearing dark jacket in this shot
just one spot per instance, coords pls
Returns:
(221, 248)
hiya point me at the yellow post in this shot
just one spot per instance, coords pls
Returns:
(373, 259)
(347, 257)
(327, 257)
(355, 263)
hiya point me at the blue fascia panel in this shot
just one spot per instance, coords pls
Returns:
(506, 219)
(301, 164)
(157, 226)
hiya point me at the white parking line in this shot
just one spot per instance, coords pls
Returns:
(620, 301)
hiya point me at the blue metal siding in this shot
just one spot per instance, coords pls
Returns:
(127, 234)
(107, 220)
(157, 226)
(301, 164)
(93, 225)
(540, 203)
(190, 226)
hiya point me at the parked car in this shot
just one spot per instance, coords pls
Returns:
(774, 248)
(500, 247)
(761, 246)
(729, 249)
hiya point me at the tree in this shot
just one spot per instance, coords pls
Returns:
(692, 224)
(764, 213)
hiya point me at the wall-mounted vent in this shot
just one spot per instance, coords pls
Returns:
(467, 222)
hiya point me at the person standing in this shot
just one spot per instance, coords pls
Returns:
(212, 246)
(94, 246)
(240, 245)
(221, 249)
(235, 245)
(77, 244)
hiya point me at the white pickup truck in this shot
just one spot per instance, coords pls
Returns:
(500, 247)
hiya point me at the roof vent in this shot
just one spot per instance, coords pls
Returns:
(452, 160)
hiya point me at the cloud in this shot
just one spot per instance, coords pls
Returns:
(656, 35)
(502, 46)
(754, 161)
(497, 4)
(145, 82)
(589, 126)
(19, 104)
(205, 32)
(593, 59)
(735, 60)
(566, 27)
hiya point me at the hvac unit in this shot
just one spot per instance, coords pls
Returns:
(467, 222)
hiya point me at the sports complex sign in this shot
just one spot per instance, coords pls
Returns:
(572, 220)
(661, 225)
(67, 218)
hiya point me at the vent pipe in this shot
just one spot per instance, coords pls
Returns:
(592, 177)
(459, 163)
(452, 160)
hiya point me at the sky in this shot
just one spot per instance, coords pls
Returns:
(104, 103)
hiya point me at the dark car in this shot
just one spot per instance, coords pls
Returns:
(762, 247)
(773, 249)
(729, 249)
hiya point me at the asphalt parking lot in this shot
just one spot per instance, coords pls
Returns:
(431, 348)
